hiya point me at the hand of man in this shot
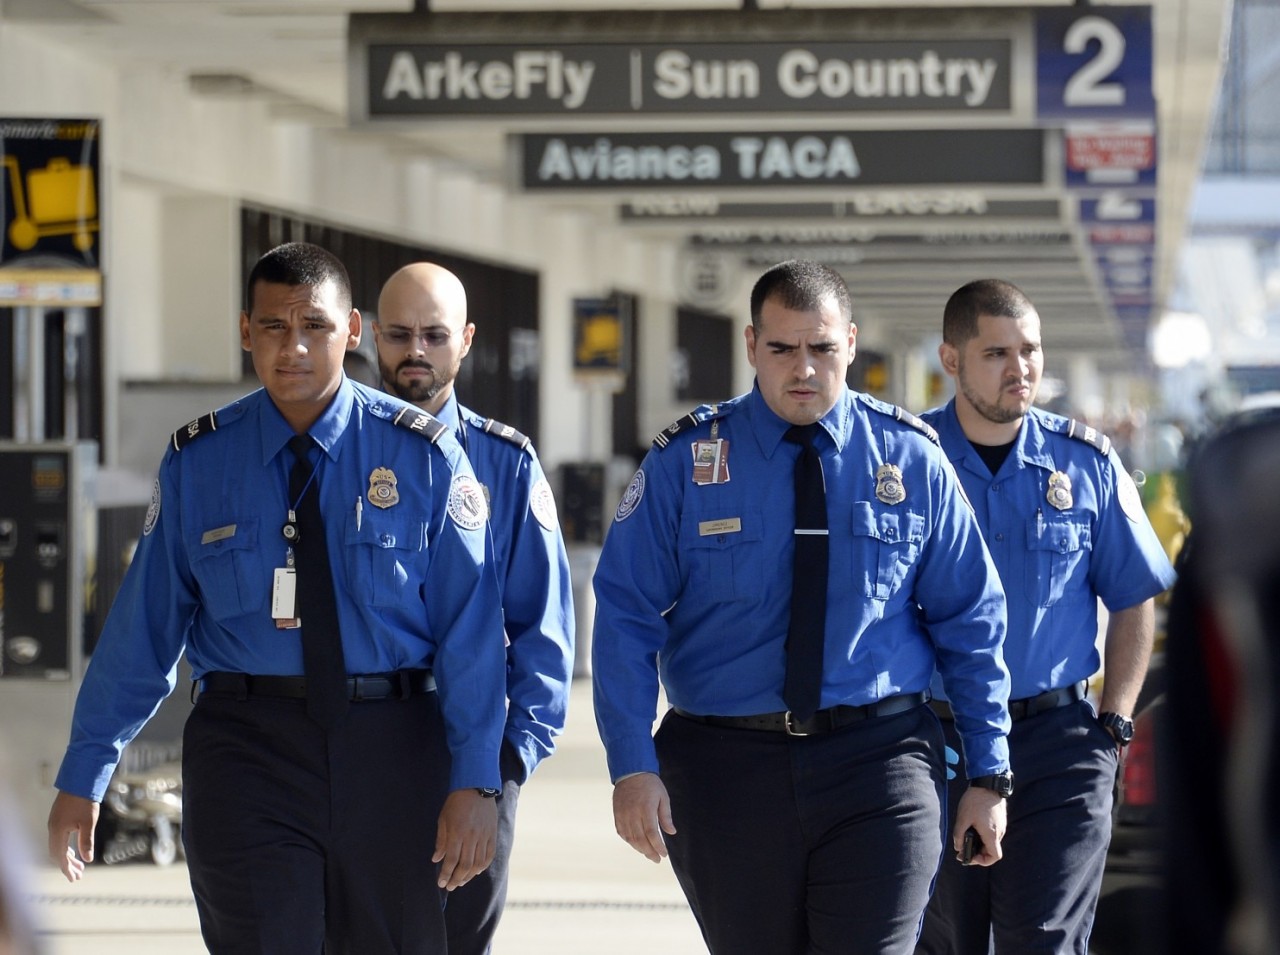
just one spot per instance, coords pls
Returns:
(986, 812)
(466, 837)
(72, 815)
(642, 812)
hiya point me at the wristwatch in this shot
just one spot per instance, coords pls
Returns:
(488, 793)
(1118, 726)
(999, 783)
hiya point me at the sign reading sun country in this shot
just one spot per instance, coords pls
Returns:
(780, 159)
(947, 75)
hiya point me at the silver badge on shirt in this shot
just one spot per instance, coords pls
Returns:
(889, 489)
(382, 488)
(1059, 493)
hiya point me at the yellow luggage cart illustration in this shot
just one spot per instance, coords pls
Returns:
(57, 200)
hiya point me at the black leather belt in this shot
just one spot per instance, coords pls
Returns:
(1031, 705)
(823, 721)
(367, 686)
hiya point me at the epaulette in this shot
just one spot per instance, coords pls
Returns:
(1083, 432)
(898, 413)
(420, 422)
(500, 430)
(906, 417)
(202, 425)
(691, 420)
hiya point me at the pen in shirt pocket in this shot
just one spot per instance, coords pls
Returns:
(359, 510)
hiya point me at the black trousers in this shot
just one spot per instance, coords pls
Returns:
(1041, 897)
(824, 844)
(298, 842)
(472, 912)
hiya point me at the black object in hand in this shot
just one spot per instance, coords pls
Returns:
(972, 844)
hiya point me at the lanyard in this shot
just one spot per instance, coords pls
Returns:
(290, 530)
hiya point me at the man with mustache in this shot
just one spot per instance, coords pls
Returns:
(1065, 526)
(422, 336)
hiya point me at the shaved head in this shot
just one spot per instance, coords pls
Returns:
(422, 333)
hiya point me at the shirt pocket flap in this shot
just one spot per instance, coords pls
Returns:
(215, 542)
(1058, 537)
(887, 526)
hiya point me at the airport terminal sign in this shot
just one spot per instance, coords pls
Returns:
(905, 204)
(1094, 62)
(780, 159)
(947, 75)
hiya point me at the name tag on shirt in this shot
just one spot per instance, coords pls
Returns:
(218, 534)
(726, 525)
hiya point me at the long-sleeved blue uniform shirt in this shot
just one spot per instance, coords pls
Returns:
(533, 573)
(1057, 561)
(694, 580)
(412, 583)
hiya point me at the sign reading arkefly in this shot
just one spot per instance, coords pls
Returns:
(694, 62)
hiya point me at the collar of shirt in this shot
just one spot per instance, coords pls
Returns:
(1029, 450)
(456, 417)
(327, 431)
(450, 414)
(768, 429)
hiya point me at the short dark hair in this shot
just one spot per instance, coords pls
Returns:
(993, 297)
(300, 263)
(801, 285)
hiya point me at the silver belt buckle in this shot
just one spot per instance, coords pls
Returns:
(790, 726)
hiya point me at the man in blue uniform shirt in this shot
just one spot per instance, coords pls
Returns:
(1066, 529)
(422, 335)
(812, 827)
(307, 816)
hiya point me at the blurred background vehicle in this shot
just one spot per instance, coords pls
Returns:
(141, 816)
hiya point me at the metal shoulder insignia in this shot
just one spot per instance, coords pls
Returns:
(418, 421)
(691, 420)
(906, 417)
(500, 430)
(1082, 432)
(202, 425)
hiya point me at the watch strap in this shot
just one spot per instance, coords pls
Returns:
(1120, 727)
(1000, 783)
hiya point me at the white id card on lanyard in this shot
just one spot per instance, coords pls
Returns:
(284, 593)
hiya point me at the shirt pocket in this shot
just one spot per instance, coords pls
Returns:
(1056, 549)
(228, 567)
(886, 546)
(386, 558)
(724, 555)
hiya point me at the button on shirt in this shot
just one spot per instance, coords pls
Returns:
(533, 574)
(412, 584)
(696, 579)
(1056, 563)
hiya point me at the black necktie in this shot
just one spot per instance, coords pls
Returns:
(802, 690)
(321, 640)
